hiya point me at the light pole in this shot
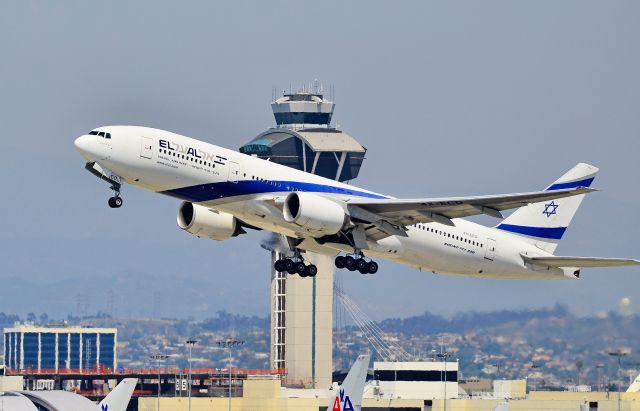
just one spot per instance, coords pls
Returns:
(229, 344)
(619, 355)
(190, 343)
(445, 355)
(599, 367)
(158, 358)
(533, 367)
(497, 365)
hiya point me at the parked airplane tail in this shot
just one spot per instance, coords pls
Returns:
(119, 398)
(349, 397)
(544, 223)
(635, 386)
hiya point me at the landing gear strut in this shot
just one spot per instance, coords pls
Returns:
(359, 263)
(114, 180)
(295, 265)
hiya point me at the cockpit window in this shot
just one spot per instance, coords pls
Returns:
(100, 134)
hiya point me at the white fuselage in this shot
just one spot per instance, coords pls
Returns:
(238, 184)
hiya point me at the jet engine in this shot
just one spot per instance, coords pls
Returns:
(205, 223)
(315, 214)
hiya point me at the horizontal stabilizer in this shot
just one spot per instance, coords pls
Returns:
(581, 262)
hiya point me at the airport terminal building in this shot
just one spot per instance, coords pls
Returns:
(28, 347)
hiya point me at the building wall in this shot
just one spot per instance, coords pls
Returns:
(416, 379)
(11, 383)
(309, 325)
(28, 347)
(265, 395)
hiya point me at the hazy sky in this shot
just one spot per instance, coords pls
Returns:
(450, 98)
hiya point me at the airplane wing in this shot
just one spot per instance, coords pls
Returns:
(386, 213)
(582, 262)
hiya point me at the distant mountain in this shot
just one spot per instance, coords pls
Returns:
(428, 323)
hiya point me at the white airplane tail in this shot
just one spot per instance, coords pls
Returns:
(119, 398)
(543, 224)
(349, 397)
(635, 386)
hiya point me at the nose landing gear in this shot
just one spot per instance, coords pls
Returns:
(114, 180)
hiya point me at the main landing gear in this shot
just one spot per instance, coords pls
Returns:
(358, 263)
(296, 266)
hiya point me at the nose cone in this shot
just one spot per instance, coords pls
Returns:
(84, 146)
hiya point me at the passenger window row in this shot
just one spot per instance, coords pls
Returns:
(273, 183)
(424, 227)
(188, 158)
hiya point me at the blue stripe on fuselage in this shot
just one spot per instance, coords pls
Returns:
(572, 184)
(214, 191)
(553, 233)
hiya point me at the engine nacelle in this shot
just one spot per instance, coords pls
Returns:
(315, 214)
(205, 223)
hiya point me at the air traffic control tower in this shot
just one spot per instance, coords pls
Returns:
(302, 308)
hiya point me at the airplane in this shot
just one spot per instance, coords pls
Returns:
(635, 385)
(350, 392)
(225, 192)
(117, 400)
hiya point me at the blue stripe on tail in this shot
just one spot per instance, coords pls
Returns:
(572, 184)
(553, 233)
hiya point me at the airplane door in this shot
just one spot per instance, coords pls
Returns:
(490, 250)
(234, 172)
(146, 147)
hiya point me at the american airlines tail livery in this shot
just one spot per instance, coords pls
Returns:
(225, 192)
(350, 392)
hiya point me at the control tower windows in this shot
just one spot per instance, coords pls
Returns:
(302, 118)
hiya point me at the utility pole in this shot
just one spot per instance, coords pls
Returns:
(599, 367)
(158, 358)
(619, 355)
(229, 344)
(445, 355)
(190, 343)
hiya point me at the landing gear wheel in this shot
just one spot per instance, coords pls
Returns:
(115, 202)
(361, 265)
(289, 266)
(372, 267)
(350, 263)
(305, 272)
(300, 267)
(312, 270)
(279, 266)
(339, 261)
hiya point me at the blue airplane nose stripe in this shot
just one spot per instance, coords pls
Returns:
(572, 184)
(552, 233)
(214, 191)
